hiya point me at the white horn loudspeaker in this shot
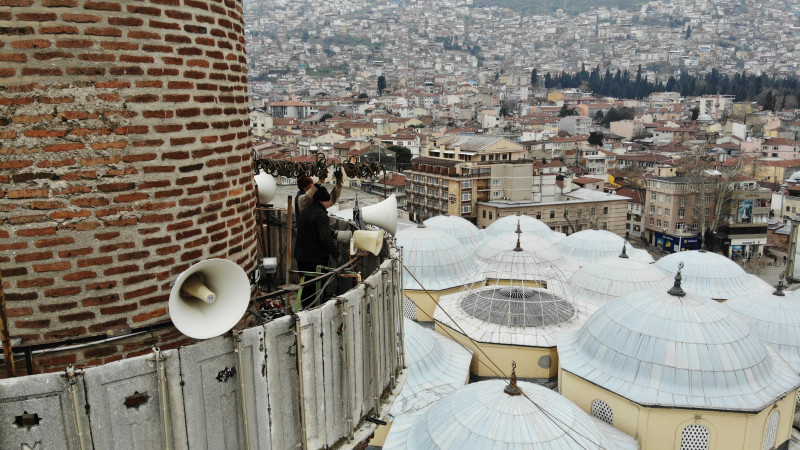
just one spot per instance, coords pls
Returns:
(209, 298)
(369, 241)
(267, 186)
(382, 215)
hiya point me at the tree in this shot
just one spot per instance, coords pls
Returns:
(695, 113)
(381, 84)
(402, 156)
(325, 117)
(770, 101)
(363, 95)
(599, 116)
(534, 78)
(596, 138)
(688, 31)
(565, 111)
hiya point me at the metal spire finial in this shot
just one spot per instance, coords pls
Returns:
(518, 248)
(676, 289)
(624, 254)
(519, 227)
(779, 290)
(511, 387)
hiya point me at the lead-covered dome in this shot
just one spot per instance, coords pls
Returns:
(528, 225)
(436, 367)
(590, 245)
(435, 258)
(482, 416)
(713, 275)
(599, 282)
(775, 317)
(545, 252)
(656, 348)
(458, 227)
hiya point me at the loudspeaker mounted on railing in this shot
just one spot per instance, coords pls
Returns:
(369, 241)
(209, 298)
(382, 215)
(267, 186)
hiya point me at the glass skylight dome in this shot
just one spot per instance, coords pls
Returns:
(775, 318)
(435, 258)
(436, 367)
(713, 275)
(601, 281)
(590, 245)
(483, 416)
(508, 224)
(522, 301)
(546, 252)
(656, 348)
(458, 227)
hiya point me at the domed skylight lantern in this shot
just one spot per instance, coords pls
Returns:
(683, 362)
(546, 252)
(598, 282)
(437, 264)
(529, 225)
(494, 414)
(514, 313)
(590, 245)
(712, 275)
(458, 227)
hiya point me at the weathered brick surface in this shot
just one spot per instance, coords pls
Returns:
(124, 141)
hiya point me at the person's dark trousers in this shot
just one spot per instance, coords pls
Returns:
(310, 290)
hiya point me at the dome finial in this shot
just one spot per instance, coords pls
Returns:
(779, 290)
(519, 227)
(624, 254)
(421, 225)
(676, 289)
(511, 387)
(518, 248)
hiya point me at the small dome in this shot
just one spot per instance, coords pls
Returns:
(712, 275)
(436, 367)
(508, 224)
(458, 227)
(601, 281)
(776, 319)
(704, 118)
(435, 258)
(590, 245)
(659, 349)
(545, 252)
(517, 306)
(482, 416)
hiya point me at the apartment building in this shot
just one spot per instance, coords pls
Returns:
(677, 210)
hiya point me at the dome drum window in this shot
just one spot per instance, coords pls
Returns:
(602, 411)
(771, 431)
(695, 437)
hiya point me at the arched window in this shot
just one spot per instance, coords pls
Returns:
(695, 437)
(771, 431)
(602, 411)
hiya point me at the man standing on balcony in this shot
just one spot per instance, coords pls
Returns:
(315, 243)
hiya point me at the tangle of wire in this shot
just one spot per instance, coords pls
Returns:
(558, 422)
(353, 168)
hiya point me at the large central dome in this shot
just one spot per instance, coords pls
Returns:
(659, 349)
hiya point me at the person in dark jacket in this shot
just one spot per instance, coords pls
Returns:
(315, 243)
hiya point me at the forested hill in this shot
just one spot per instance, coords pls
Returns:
(572, 7)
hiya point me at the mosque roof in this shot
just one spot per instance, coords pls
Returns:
(589, 245)
(436, 259)
(458, 227)
(528, 225)
(546, 253)
(482, 415)
(776, 319)
(436, 367)
(712, 275)
(598, 282)
(661, 349)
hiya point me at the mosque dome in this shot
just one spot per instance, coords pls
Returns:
(673, 349)
(775, 317)
(589, 245)
(712, 275)
(704, 118)
(508, 224)
(435, 258)
(522, 301)
(601, 281)
(436, 367)
(482, 415)
(545, 252)
(458, 227)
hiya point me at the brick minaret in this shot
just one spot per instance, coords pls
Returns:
(124, 159)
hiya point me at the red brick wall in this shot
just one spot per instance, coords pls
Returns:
(124, 158)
